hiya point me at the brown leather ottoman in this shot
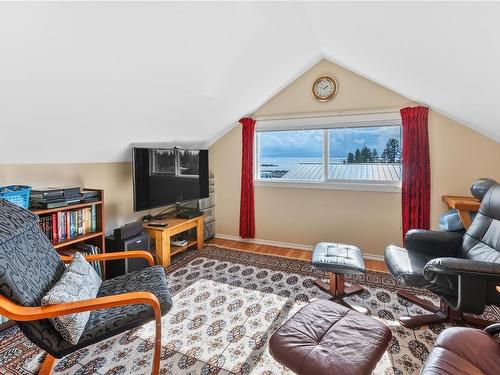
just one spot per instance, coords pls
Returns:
(327, 338)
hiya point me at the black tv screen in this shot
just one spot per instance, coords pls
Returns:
(167, 176)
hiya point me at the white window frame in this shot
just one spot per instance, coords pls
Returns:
(325, 123)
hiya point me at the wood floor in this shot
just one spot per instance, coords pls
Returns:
(373, 265)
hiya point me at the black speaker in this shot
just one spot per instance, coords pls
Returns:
(128, 231)
(120, 267)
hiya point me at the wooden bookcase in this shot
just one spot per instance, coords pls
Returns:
(94, 238)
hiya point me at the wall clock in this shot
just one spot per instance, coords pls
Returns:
(324, 88)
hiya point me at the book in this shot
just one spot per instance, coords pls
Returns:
(55, 237)
(66, 225)
(47, 199)
(46, 192)
(93, 215)
(48, 205)
(85, 249)
(90, 195)
(93, 250)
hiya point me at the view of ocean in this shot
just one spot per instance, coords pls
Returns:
(279, 163)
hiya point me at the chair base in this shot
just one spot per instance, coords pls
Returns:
(337, 289)
(440, 314)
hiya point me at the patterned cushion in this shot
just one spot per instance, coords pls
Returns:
(78, 282)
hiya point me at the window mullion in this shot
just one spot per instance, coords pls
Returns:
(256, 157)
(326, 154)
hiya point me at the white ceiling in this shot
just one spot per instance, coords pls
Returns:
(81, 82)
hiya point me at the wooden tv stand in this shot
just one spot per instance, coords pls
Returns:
(175, 225)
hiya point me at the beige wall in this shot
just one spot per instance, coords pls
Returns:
(114, 178)
(459, 155)
(370, 220)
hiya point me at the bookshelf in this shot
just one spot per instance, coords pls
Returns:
(96, 238)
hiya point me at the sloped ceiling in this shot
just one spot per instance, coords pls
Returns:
(81, 82)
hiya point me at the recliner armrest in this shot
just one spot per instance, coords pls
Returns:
(434, 243)
(493, 329)
(475, 280)
(458, 266)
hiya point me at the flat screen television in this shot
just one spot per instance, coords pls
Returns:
(166, 176)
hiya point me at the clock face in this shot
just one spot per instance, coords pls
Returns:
(324, 88)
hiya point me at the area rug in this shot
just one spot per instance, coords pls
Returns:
(227, 304)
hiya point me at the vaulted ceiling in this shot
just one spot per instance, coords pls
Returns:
(81, 82)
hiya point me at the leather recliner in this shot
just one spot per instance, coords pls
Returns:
(464, 351)
(463, 270)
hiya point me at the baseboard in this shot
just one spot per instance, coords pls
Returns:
(231, 237)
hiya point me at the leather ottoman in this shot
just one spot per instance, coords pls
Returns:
(327, 338)
(339, 259)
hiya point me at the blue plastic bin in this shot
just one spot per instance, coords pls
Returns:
(17, 194)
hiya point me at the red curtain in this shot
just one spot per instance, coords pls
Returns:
(247, 215)
(416, 186)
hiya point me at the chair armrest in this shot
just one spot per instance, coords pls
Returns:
(26, 313)
(493, 329)
(114, 256)
(458, 266)
(474, 281)
(434, 243)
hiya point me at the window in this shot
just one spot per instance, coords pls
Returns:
(175, 162)
(351, 150)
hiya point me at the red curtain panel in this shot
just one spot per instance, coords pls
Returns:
(247, 215)
(416, 185)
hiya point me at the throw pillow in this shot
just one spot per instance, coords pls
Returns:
(78, 282)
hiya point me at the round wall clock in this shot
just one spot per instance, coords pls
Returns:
(324, 88)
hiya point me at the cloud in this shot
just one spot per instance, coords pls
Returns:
(309, 143)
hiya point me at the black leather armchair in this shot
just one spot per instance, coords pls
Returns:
(462, 270)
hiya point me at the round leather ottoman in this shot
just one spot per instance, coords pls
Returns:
(327, 338)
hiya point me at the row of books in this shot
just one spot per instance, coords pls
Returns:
(65, 225)
(85, 249)
(55, 197)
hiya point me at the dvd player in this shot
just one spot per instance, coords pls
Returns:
(189, 214)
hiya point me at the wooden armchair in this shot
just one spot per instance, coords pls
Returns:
(29, 267)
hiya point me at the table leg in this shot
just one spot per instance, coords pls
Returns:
(199, 234)
(163, 247)
(465, 218)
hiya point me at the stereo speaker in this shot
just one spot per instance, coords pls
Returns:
(119, 267)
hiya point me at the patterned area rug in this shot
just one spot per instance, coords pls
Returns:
(227, 304)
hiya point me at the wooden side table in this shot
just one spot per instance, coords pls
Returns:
(464, 206)
(162, 235)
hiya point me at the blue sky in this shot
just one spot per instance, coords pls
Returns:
(309, 143)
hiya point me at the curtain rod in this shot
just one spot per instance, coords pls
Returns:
(327, 114)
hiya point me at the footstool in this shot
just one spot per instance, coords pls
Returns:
(339, 259)
(327, 338)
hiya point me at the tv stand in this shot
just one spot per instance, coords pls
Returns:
(174, 226)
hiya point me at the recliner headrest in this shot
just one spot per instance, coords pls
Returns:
(490, 205)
